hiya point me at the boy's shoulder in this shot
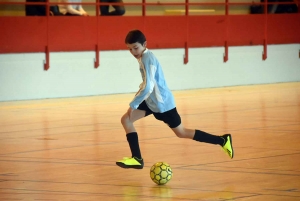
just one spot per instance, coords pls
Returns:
(148, 55)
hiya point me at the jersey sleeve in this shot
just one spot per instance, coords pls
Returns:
(148, 70)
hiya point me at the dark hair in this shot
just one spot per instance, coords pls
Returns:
(135, 36)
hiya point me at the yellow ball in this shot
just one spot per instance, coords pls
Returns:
(161, 173)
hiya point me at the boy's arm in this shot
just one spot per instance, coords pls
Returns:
(146, 87)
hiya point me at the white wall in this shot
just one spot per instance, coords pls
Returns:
(72, 74)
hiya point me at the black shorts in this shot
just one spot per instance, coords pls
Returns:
(170, 117)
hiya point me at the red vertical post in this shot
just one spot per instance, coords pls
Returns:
(143, 13)
(226, 8)
(46, 64)
(226, 51)
(47, 61)
(264, 56)
(97, 9)
(186, 7)
(186, 53)
(225, 58)
(96, 63)
(144, 8)
(186, 47)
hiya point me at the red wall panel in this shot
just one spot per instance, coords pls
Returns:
(206, 31)
(113, 30)
(283, 29)
(166, 32)
(20, 34)
(33, 34)
(245, 29)
(72, 33)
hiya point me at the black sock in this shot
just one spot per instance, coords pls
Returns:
(133, 141)
(201, 136)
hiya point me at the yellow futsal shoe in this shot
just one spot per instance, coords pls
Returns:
(227, 146)
(131, 163)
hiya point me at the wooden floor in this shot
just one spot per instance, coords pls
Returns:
(65, 149)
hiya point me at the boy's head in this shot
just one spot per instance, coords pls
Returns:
(136, 43)
(135, 36)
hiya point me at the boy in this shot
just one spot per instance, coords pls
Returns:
(154, 97)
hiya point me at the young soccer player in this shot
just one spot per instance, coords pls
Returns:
(154, 97)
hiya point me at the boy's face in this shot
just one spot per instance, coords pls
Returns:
(137, 49)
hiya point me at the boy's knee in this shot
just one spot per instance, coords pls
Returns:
(124, 118)
(180, 134)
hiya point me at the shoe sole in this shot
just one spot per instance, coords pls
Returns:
(230, 139)
(122, 165)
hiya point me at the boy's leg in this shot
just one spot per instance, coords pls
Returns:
(130, 117)
(225, 141)
(172, 118)
(127, 120)
(197, 135)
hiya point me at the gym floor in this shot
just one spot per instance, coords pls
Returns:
(66, 149)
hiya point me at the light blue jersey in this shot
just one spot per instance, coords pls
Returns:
(153, 89)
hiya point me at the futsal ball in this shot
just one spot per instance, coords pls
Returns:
(161, 173)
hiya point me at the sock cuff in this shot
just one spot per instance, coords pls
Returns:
(202, 136)
(196, 136)
(132, 135)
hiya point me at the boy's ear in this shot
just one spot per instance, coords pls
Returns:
(145, 44)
